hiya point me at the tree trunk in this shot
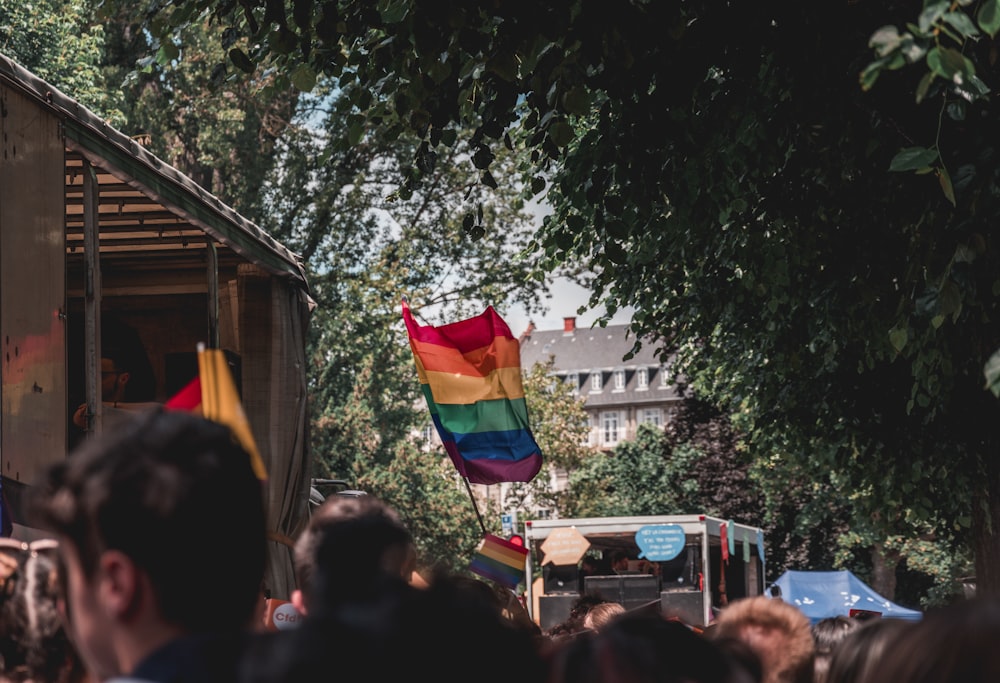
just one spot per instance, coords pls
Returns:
(985, 524)
(884, 571)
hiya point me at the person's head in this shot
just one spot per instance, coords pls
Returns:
(582, 605)
(126, 373)
(449, 632)
(115, 374)
(639, 647)
(827, 635)
(162, 531)
(778, 632)
(351, 541)
(503, 599)
(599, 615)
(953, 643)
(619, 560)
(34, 645)
(746, 663)
(854, 657)
(573, 623)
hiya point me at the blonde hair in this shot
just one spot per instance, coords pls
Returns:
(779, 633)
(601, 613)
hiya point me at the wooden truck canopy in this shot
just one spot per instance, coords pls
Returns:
(95, 229)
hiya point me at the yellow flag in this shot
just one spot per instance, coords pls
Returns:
(221, 403)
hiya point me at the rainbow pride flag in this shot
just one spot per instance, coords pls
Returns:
(499, 560)
(470, 374)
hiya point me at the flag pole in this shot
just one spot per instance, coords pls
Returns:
(474, 506)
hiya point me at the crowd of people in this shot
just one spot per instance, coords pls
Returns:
(155, 564)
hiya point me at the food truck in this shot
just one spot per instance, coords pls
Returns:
(95, 229)
(684, 566)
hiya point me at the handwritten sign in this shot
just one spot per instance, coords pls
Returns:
(660, 542)
(565, 545)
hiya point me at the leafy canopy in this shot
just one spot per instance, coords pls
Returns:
(721, 169)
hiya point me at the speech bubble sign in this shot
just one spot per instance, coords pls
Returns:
(564, 545)
(659, 542)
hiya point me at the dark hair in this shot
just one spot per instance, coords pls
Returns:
(640, 647)
(121, 344)
(349, 541)
(573, 623)
(863, 648)
(953, 643)
(177, 494)
(583, 604)
(34, 645)
(828, 634)
(743, 657)
(445, 632)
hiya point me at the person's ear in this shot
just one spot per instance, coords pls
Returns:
(119, 583)
(123, 378)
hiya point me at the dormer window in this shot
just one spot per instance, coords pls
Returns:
(573, 380)
(664, 377)
(642, 379)
(595, 381)
(619, 378)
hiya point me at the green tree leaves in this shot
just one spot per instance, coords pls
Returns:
(561, 429)
(992, 373)
(59, 42)
(939, 24)
(366, 247)
(913, 159)
(988, 17)
(713, 167)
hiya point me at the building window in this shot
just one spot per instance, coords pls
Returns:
(429, 433)
(573, 380)
(653, 416)
(609, 428)
(664, 377)
(589, 424)
(619, 380)
(642, 379)
(595, 381)
(561, 477)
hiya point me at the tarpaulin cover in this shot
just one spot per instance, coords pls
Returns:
(828, 594)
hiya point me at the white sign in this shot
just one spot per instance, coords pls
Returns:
(506, 524)
(285, 617)
(660, 542)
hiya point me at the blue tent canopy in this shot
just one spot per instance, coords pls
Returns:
(828, 594)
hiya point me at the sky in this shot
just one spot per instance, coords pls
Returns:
(565, 298)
